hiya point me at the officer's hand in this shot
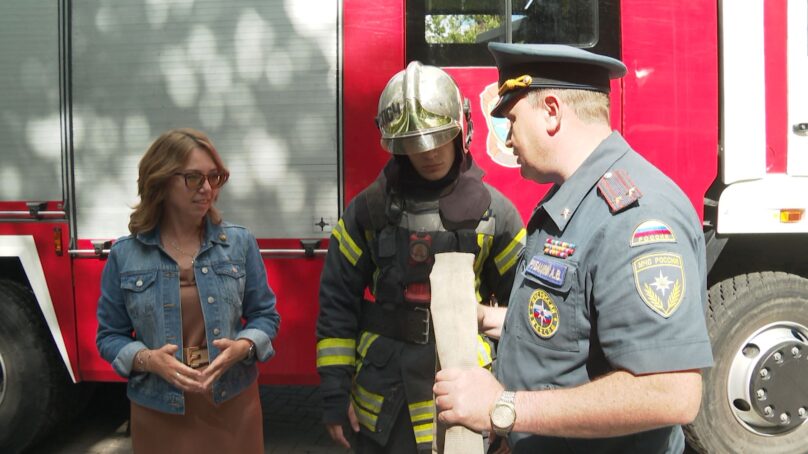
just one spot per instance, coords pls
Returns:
(465, 397)
(163, 363)
(336, 432)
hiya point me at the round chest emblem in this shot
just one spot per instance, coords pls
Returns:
(419, 251)
(543, 314)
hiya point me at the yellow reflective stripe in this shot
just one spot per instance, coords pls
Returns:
(483, 352)
(365, 418)
(484, 242)
(422, 411)
(367, 399)
(346, 244)
(507, 258)
(336, 352)
(365, 340)
(423, 433)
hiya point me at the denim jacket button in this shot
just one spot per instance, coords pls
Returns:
(211, 300)
(139, 283)
(204, 270)
(216, 331)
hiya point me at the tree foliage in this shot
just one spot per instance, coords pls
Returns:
(459, 28)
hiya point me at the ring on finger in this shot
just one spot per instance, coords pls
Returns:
(178, 374)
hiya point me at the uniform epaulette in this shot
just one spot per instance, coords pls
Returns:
(618, 190)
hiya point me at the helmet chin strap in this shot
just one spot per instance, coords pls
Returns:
(469, 123)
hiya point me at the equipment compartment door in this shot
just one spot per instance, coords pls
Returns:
(798, 87)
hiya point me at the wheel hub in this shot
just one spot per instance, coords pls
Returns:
(767, 380)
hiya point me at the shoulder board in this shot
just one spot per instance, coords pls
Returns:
(618, 190)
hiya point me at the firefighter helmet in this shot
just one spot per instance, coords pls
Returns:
(421, 109)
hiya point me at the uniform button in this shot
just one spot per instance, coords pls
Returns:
(211, 300)
(216, 331)
(223, 237)
(204, 270)
(139, 283)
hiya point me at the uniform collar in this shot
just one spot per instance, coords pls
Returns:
(564, 199)
(214, 233)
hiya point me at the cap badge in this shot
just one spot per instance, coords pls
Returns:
(543, 314)
(513, 84)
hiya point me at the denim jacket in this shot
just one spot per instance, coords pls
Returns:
(140, 292)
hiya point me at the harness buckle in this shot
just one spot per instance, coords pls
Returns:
(425, 310)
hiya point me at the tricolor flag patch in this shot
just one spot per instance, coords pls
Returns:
(652, 231)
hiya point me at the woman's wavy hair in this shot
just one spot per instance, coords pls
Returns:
(166, 156)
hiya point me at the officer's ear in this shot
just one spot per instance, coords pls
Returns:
(550, 108)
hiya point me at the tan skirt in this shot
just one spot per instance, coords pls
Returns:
(233, 426)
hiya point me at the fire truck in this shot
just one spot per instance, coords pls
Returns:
(715, 96)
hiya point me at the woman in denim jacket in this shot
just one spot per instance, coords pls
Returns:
(185, 309)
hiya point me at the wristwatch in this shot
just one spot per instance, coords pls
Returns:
(503, 413)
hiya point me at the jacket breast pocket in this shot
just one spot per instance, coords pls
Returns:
(551, 304)
(140, 295)
(231, 278)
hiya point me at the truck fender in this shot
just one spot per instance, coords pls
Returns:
(23, 248)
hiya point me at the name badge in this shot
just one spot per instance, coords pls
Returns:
(546, 270)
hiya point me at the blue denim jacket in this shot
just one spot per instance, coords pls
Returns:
(140, 292)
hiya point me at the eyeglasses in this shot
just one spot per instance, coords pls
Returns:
(195, 180)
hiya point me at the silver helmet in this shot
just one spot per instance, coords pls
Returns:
(421, 109)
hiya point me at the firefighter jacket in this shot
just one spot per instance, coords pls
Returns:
(375, 344)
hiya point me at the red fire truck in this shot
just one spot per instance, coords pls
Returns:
(715, 96)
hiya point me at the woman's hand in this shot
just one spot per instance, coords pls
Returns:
(163, 363)
(230, 352)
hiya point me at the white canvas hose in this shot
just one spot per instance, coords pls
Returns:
(454, 317)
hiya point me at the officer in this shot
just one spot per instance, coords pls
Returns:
(604, 337)
(376, 348)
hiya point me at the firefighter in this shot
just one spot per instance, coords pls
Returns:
(604, 338)
(376, 348)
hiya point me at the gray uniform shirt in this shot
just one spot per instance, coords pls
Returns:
(613, 278)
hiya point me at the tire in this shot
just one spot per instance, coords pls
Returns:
(33, 379)
(756, 321)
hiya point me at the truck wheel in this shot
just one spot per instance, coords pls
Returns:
(755, 398)
(32, 377)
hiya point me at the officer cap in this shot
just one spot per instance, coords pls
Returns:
(525, 66)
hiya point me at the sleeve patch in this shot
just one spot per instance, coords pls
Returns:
(618, 190)
(660, 281)
(652, 231)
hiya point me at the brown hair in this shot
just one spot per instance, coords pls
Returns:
(590, 106)
(167, 155)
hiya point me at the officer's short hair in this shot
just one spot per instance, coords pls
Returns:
(590, 106)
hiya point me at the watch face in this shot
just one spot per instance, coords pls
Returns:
(503, 416)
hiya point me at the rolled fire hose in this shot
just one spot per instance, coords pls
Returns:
(454, 317)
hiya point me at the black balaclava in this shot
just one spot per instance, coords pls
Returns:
(463, 197)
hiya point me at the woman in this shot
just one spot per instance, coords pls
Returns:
(185, 309)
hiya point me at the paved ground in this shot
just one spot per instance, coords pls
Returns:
(291, 424)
